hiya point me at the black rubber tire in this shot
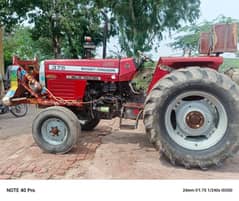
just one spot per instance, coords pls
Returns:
(90, 123)
(14, 110)
(233, 73)
(3, 109)
(179, 81)
(71, 121)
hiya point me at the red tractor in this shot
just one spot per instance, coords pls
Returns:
(190, 110)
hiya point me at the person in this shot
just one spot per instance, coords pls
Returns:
(2, 107)
(6, 81)
(1, 87)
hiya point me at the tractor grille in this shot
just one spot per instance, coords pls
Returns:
(65, 89)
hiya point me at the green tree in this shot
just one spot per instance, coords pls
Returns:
(20, 43)
(66, 22)
(188, 40)
(13, 12)
(141, 22)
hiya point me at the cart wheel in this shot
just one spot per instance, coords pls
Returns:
(19, 110)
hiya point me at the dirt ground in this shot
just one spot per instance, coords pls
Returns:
(105, 153)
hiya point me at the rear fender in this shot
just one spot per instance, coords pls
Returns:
(183, 62)
(167, 64)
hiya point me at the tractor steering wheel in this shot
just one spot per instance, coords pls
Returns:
(143, 58)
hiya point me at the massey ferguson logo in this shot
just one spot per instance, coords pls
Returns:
(56, 67)
(86, 69)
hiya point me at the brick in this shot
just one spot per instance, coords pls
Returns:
(60, 172)
(37, 169)
(11, 170)
(94, 146)
(70, 163)
(81, 156)
(22, 167)
(44, 176)
(72, 160)
(5, 177)
(40, 170)
(30, 168)
(2, 170)
(17, 174)
(66, 166)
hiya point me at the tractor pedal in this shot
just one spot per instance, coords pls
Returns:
(131, 112)
(127, 127)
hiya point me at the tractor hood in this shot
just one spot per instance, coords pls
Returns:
(68, 78)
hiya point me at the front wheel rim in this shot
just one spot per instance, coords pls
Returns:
(54, 131)
(196, 120)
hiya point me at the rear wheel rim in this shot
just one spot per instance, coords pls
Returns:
(54, 131)
(196, 120)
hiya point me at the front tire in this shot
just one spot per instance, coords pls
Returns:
(56, 130)
(192, 116)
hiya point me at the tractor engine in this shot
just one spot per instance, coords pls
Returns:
(103, 86)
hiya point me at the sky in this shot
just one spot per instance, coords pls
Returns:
(210, 9)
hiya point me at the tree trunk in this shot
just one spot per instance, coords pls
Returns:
(73, 50)
(134, 45)
(56, 47)
(105, 33)
(1, 62)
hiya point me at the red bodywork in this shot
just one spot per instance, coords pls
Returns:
(182, 62)
(25, 63)
(64, 82)
(68, 78)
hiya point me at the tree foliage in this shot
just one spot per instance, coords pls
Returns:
(66, 22)
(188, 40)
(19, 42)
(13, 12)
(141, 22)
(138, 23)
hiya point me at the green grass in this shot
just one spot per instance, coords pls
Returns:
(150, 65)
(229, 63)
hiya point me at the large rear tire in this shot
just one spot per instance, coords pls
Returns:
(233, 73)
(192, 116)
(56, 129)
